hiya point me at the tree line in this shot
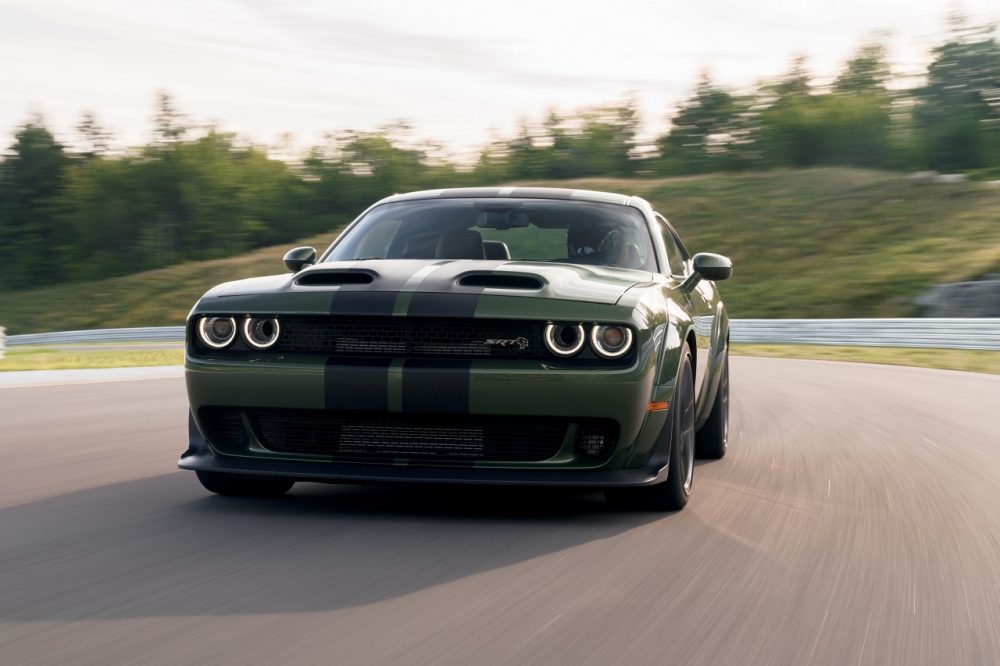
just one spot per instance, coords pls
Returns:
(195, 193)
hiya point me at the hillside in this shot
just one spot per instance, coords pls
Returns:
(810, 243)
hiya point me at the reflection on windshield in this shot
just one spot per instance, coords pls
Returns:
(498, 229)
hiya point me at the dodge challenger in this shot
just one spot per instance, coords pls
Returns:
(524, 336)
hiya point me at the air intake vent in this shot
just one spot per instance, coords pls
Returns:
(330, 278)
(501, 281)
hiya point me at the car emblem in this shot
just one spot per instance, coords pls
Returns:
(520, 343)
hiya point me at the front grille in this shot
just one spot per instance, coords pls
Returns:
(412, 337)
(431, 438)
(224, 428)
(419, 438)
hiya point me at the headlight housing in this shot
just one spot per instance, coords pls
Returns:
(564, 339)
(261, 332)
(610, 341)
(216, 332)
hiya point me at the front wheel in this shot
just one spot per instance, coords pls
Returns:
(238, 485)
(672, 494)
(713, 438)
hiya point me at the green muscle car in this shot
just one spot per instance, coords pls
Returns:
(526, 336)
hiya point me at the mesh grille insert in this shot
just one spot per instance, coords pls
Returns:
(224, 428)
(596, 439)
(416, 437)
(399, 336)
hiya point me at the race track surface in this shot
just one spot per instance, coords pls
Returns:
(855, 521)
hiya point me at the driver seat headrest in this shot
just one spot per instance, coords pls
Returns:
(460, 244)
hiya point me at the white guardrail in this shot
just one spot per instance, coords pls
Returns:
(150, 334)
(931, 333)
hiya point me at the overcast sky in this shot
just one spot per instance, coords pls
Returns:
(457, 69)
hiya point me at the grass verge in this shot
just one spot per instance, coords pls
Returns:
(945, 359)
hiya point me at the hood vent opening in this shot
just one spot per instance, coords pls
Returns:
(333, 278)
(501, 281)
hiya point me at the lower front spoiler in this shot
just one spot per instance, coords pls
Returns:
(366, 473)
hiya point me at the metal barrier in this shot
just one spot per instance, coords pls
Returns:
(152, 334)
(931, 333)
(2, 347)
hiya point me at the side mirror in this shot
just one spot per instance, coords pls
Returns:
(297, 259)
(713, 267)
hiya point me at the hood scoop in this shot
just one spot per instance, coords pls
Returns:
(501, 281)
(335, 278)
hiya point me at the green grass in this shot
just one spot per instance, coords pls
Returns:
(55, 359)
(830, 242)
(946, 359)
(160, 297)
(810, 243)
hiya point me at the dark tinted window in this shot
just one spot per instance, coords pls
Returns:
(676, 255)
(519, 229)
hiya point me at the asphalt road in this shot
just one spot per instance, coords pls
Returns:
(855, 521)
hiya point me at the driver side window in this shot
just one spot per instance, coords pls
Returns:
(675, 255)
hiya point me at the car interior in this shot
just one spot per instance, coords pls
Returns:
(504, 231)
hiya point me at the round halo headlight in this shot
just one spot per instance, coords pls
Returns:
(261, 332)
(564, 339)
(611, 341)
(216, 332)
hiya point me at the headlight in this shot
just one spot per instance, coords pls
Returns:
(261, 332)
(611, 341)
(216, 332)
(564, 339)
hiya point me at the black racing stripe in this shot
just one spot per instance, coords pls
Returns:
(431, 304)
(361, 384)
(363, 302)
(431, 385)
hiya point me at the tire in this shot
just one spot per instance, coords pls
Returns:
(237, 485)
(678, 433)
(713, 438)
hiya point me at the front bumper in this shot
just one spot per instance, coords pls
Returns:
(654, 472)
(488, 388)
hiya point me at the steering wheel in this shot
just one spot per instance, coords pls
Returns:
(610, 248)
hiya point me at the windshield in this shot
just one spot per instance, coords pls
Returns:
(576, 232)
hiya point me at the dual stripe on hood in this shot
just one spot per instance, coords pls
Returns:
(409, 385)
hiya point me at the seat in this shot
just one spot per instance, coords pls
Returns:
(460, 244)
(422, 246)
(629, 257)
(496, 250)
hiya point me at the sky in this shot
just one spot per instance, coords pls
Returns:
(460, 72)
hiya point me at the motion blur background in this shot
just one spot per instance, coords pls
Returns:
(152, 148)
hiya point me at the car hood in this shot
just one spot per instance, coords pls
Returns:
(593, 284)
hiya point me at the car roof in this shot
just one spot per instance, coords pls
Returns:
(522, 193)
